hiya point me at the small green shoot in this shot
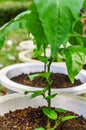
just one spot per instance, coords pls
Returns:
(67, 118)
(50, 113)
(60, 110)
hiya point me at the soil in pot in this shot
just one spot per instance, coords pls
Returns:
(31, 118)
(58, 81)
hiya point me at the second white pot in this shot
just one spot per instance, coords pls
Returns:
(14, 70)
(15, 101)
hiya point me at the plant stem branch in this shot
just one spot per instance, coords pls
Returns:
(45, 66)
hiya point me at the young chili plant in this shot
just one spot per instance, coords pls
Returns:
(51, 113)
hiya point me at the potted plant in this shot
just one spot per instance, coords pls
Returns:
(46, 33)
(20, 72)
(51, 29)
(15, 102)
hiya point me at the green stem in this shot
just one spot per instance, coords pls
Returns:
(48, 124)
(49, 83)
(57, 123)
(49, 100)
(45, 66)
(49, 92)
(49, 105)
(49, 64)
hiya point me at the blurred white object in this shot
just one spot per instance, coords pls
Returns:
(11, 57)
(1, 65)
(26, 56)
(18, 48)
(27, 45)
(9, 42)
(31, 36)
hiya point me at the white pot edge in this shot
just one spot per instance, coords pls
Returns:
(23, 58)
(20, 101)
(27, 44)
(74, 90)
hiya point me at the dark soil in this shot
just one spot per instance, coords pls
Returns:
(84, 67)
(31, 118)
(58, 81)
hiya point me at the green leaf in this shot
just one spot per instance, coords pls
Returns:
(45, 89)
(83, 40)
(75, 59)
(43, 59)
(67, 118)
(45, 75)
(51, 96)
(39, 129)
(13, 25)
(84, 5)
(50, 113)
(37, 53)
(76, 40)
(36, 94)
(78, 27)
(60, 110)
(58, 17)
(28, 20)
(32, 76)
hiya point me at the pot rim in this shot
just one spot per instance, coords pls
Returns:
(27, 44)
(20, 88)
(14, 101)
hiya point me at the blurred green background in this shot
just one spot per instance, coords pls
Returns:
(8, 10)
(9, 52)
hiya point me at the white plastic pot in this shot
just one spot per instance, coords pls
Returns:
(14, 70)
(27, 56)
(27, 45)
(19, 101)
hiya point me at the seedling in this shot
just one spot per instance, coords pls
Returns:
(51, 113)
